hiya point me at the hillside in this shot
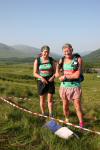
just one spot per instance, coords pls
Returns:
(20, 52)
(28, 50)
(93, 57)
(24, 53)
(17, 51)
(7, 51)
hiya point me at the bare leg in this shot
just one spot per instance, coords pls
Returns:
(42, 103)
(50, 103)
(66, 107)
(77, 105)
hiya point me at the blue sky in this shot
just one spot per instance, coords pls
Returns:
(51, 22)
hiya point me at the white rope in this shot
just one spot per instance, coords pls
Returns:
(40, 115)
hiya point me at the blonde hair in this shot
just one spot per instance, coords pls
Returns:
(67, 45)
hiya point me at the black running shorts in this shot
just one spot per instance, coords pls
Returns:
(46, 88)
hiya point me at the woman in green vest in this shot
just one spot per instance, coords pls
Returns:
(70, 88)
(44, 67)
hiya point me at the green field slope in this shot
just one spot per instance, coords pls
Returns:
(21, 131)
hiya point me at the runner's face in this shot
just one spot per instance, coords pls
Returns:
(45, 53)
(67, 52)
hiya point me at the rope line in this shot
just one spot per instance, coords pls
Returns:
(40, 115)
(25, 98)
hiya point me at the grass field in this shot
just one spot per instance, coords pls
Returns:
(21, 131)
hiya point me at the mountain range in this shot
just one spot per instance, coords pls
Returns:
(24, 52)
(20, 51)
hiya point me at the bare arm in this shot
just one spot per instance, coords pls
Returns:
(58, 73)
(35, 72)
(77, 73)
(54, 68)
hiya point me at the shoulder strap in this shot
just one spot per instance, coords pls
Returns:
(75, 63)
(62, 62)
(51, 60)
(76, 55)
(38, 60)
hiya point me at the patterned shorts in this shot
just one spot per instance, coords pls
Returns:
(70, 93)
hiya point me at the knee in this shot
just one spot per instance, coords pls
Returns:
(50, 101)
(77, 107)
(42, 101)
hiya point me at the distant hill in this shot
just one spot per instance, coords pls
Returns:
(7, 51)
(27, 50)
(20, 51)
(93, 57)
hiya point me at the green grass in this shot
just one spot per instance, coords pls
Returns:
(21, 131)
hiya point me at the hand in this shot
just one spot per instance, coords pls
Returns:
(68, 76)
(44, 80)
(57, 75)
(62, 78)
(51, 79)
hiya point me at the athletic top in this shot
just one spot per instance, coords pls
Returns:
(45, 69)
(69, 69)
